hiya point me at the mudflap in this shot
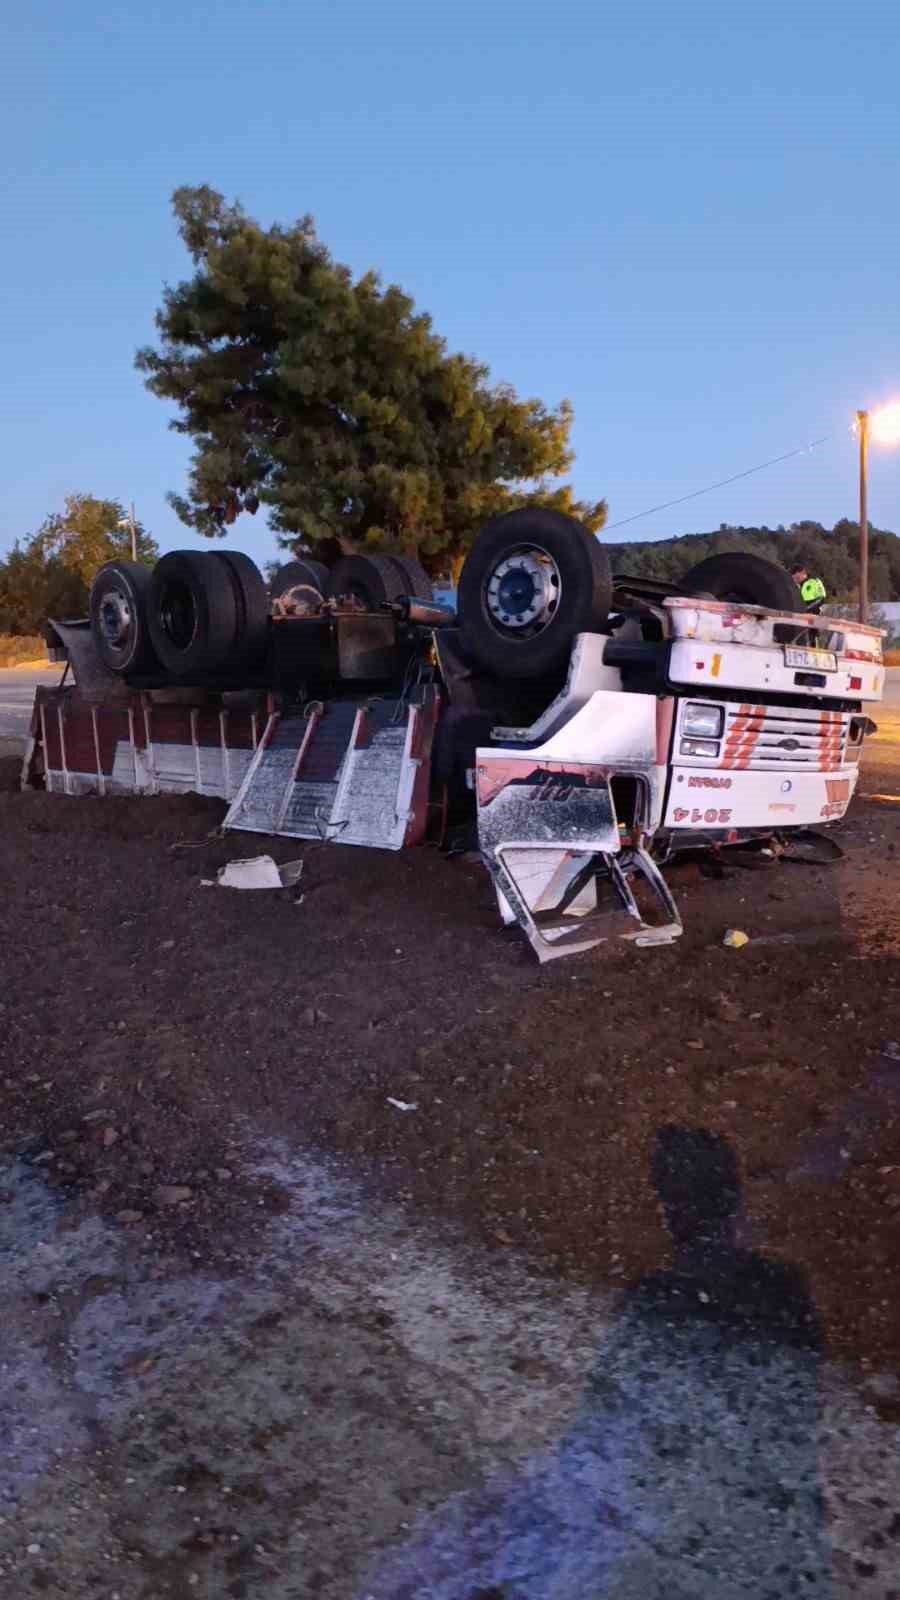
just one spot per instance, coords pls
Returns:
(551, 843)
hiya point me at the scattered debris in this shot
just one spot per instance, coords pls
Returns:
(258, 872)
(129, 1216)
(172, 1194)
(735, 939)
(401, 1105)
(808, 847)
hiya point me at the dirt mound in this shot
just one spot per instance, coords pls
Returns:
(138, 1001)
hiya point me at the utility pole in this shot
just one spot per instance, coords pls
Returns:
(862, 418)
(130, 523)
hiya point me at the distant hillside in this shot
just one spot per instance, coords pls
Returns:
(830, 555)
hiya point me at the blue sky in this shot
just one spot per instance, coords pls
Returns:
(683, 217)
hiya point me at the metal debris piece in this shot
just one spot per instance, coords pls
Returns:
(258, 872)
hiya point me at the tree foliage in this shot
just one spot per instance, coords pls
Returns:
(49, 573)
(832, 556)
(333, 401)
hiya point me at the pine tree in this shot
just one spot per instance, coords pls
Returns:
(333, 401)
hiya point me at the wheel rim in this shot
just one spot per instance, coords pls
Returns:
(116, 619)
(522, 592)
(178, 614)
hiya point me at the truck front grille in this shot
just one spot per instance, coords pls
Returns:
(768, 737)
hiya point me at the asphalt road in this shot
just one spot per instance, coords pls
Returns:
(16, 695)
(882, 750)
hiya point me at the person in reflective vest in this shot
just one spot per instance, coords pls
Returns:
(812, 590)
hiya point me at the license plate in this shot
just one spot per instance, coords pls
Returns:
(816, 660)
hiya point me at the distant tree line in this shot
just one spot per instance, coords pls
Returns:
(48, 574)
(831, 555)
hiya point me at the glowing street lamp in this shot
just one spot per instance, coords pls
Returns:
(884, 427)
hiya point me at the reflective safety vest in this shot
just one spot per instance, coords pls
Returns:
(812, 589)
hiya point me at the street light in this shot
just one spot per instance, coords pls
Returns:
(129, 522)
(884, 427)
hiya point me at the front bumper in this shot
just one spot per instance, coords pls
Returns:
(701, 799)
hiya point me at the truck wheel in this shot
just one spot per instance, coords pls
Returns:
(252, 605)
(193, 613)
(373, 580)
(300, 574)
(532, 580)
(119, 617)
(416, 579)
(746, 579)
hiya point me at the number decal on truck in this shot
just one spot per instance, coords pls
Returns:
(713, 815)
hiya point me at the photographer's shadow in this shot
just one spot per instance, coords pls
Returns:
(691, 1469)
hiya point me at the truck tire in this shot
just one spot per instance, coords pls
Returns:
(119, 606)
(416, 579)
(300, 574)
(374, 580)
(193, 613)
(746, 579)
(532, 580)
(252, 603)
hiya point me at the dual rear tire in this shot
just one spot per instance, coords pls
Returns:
(201, 614)
(208, 612)
(375, 580)
(119, 606)
(372, 580)
(197, 614)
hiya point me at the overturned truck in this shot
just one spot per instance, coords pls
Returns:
(578, 728)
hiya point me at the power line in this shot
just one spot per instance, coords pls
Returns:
(801, 450)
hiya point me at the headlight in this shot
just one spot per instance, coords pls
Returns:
(699, 747)
(705, 720)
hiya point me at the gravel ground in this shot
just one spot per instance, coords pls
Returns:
(240, 1281)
